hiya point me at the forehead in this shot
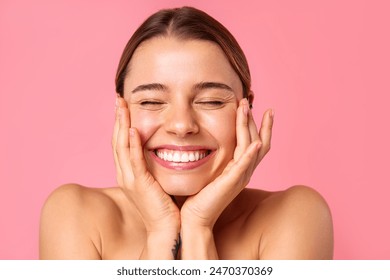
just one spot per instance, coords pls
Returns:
(172, 60)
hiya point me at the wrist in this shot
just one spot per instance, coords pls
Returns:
(161, 245)
(198, 242)
(162, 234)
(166, 225)
(198, 228)
(196, 221)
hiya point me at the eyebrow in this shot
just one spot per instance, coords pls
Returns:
(199, 86)
(153, 86)
(211, 85)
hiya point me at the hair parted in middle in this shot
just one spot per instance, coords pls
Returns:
(185, 23)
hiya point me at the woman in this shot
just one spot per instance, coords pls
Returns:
(185, 146)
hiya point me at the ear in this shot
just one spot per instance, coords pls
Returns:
(251, 97)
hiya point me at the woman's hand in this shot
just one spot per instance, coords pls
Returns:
(204, 208)
(159, 213)
(200, 212)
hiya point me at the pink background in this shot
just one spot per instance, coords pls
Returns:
(323, 67)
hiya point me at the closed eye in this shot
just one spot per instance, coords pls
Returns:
(211, 104)
(152, 105)
(146, 103)
(216, 103)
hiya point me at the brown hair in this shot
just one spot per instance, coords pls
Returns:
(185, 23)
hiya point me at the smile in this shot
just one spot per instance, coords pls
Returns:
(181, 156)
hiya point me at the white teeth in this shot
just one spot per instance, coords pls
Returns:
(184, 157)
(176, 157)
(181, 156)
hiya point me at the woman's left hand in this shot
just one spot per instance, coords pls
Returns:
(204, 208)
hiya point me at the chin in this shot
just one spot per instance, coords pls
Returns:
(181, 186)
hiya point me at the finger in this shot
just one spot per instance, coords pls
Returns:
(238, 175)
(242, 130)
(116, 126)
(119, 102)
(230, 183)
(266, 133)
(253, 132)
(114, 143)
(122, 145)
(123, 103)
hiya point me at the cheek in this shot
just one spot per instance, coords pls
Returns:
(223, 128)
(145, 122)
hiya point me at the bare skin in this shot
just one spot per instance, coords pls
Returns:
(85, 223)
(178, 104)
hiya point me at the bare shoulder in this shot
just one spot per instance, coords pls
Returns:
(71, 220)
(77, 197)
(294, 224)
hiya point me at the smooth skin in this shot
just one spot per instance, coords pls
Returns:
(209, 206)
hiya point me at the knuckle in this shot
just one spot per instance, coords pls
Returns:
(267, 147)
(116, 148)
(244, 122)
(119, 154)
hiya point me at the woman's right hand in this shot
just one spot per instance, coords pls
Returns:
(159, 213)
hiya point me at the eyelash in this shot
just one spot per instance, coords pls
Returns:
(211, 103)
(145, 103)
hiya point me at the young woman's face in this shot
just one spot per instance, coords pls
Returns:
(183, 96)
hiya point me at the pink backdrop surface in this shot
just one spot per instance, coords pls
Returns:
(323, 66)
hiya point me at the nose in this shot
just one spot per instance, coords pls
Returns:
(181, 120)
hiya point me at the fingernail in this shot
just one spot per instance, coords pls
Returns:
(271, 113)
(117, 102)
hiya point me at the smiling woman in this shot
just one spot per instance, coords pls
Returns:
(179, 113)
(185, 146)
